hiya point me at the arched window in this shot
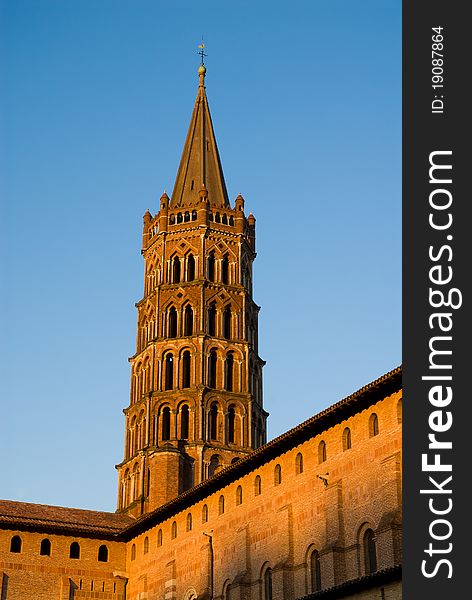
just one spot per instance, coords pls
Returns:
(322, 452)
(315, 571)
(173, 533)
(277, 475)
(212, 319)
(268, 584)
(214, 464)
(169, 372)
(299, 463)
(186, 369)
(172, 219)
(224, 220)
(227, 323)
(225, 270)
(146, 545)
(229, 362)
(257, 486)
(217, 218)
(204, 513)
(239, 495)
(176, 269)
(191, 266)
(172, 321)
(231, 221)
(346, 439)
(103, 553)
(166, 423)
(188, 320)
(74, 550)
(211, 267)
(212, 362)
(221, 505)
(133, 552)
(179, 217)
(45, 548)
(231, 419)
(159, 537)
(189, 522)
(184, 422)
(194, 215)
(15, 544)
(214, 421)
(186, 216)
(370, 553)
(373, 425)
(399, 411)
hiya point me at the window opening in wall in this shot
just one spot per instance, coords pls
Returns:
(217, 217)
(278, 475)
(169, 372)
(212, 319)
(224, 220)
(166, 423)
(211, 266)
(315, 569)
(74, 550)
(192, 184)
(231, 221)
(148, 486)
(268, 584)
(212, 362)
(172, 322)
(172, 219)
(186, 369)
(322, 452)
(231, 420)
(229, 371)
(103, 554)
(214, 421)
(194, 215)
(211, 216)
(204, 513)
(221, 505)
(225, 270)
(159, 537)
(346, 439)
(227, 323)
(133, 552)
(184, 422)
(179, 217)
(191, 262)
(173, 534)
(373, 425)
(188, 320)
(399, 411)
(15, 544)
(189, 522)
(176, 267)
(146, 545)
(239, 495)
(299, 463)
(257, 486)
(370, 554)
(45, 547)
(186, 216)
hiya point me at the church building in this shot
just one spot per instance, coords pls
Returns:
(207, 508)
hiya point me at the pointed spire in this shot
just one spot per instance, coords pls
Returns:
(200, 165)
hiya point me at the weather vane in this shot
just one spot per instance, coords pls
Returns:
(201, 51)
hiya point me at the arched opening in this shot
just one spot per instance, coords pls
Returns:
(74, 550)
(194, 215)
(239, 495)
(214, 465)
(399, 411)
(173, 533)
(211, 266)
(191, 266)
(212, 319)
(229, 372)
(146, 545)
(224, 220)
(184, 422)
(186, 216)
(277, 475)
(159, 537)
(299, 463)
(315, 571)
(15, 544)
(169, 371)
(176, 269)
(172, 320)
(103, 553)
(45, 547)
(221, 505)
(189, 522)
(186, 369)
(346, 439)
(213, 418)
(204, 513)
(231, 420)
(188, 320)
(133, 552)
(179, 217)
(166, 423)
(373, 425)
(217, 218)
(322, 452)
(231, 221)
(268, 584)
(370, 553)
(257, 486)
(227, 323)
(225, 270)
(212, 362)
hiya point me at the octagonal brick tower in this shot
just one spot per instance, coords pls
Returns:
(196, 377)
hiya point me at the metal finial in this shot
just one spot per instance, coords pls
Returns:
(201, 51)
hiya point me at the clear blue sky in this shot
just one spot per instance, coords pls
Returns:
(95, 104)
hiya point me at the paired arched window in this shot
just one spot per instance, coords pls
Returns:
(103, 553)
(176, 269)
(257, 486)
(45, 548)
(299, 463)
(159, 537)
(204, 513)
(146, 545)
(15, 544)
(231, 420)
(373, 425)
(214, 464)
(186, 369)
(189, 522)
(212, 319)
(169, 371)
(212, 363)
(229, 364)
(188, 320)
(74, 550)
(173, 531)
(211, 266)
(315, 571)
(221, 505)
(225, 270)
(370, 552)
(166, 423)
(346, 439)
(277, 475)
(227, 323)
(213, 418)
(239, 495)
(322, 452)
(172, 324)
(184, 422)
(268, 584)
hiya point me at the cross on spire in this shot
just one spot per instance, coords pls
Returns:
(201, 51)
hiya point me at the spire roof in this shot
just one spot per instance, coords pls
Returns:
(200, 165)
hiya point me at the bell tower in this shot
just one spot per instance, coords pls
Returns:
(196, 376)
